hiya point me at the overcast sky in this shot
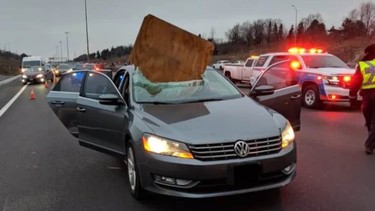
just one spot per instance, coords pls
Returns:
(36, 26)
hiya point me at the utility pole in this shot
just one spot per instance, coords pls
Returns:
(61, 55)
(67, 45)
(87, 34)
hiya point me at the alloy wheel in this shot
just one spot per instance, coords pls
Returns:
(132, 173)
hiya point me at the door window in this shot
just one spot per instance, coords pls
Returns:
(70, 82)
(97, 84)
(280, 58)
(261, 61)
(279, 76)
(249, 63)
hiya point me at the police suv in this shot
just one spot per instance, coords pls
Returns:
(322, 76)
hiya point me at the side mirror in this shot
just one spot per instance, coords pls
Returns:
(262, 90)
(110, 99)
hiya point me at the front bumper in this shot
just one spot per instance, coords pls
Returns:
(217, 178)
(335, 94)
(33, 80)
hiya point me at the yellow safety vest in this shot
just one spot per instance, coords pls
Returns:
(368, 72)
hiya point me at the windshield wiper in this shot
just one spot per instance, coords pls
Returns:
(204, 100)
(159, 103)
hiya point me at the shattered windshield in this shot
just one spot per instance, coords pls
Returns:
(212, 87)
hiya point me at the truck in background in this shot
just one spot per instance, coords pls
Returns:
(241, 72)
(31, 61)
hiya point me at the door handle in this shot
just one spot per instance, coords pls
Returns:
(81, 109)
(295, 97)
(58, 102)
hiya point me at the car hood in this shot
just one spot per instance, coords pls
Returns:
(333, 71)
(210, 122)
(33, 73)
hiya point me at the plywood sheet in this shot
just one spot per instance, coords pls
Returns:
(166, 53)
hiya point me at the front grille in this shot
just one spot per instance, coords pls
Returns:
(225, 151)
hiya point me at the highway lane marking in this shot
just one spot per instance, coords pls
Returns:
(114, 167)
(7, 106)
(9, 80)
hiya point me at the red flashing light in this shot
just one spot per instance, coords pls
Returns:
(332, 97)
(293, 50)
(296, 50)
(97, 69)
(319, 77)
(295, 65)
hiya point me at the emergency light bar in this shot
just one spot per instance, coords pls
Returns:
(303, 50)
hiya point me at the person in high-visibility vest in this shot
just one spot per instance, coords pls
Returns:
(364, 80)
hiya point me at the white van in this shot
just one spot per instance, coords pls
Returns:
(30, 61)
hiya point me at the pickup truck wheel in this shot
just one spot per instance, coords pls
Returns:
(311, 98)
(135, 185)
(227, 74)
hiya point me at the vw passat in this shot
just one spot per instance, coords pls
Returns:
(192, 139)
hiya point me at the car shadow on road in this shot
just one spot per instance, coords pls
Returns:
(338, 107)
(264, 200)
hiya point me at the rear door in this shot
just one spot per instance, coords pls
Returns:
(101, 126)
(63, 99)
(287, 96)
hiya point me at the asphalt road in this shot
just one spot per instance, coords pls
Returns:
(43, 168)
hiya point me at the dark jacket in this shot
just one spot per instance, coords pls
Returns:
(357, 81)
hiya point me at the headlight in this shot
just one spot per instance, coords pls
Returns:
(23, 70)
(39, 76)
(163, 146)
(56, 71)
(287, 136)
(24, 76)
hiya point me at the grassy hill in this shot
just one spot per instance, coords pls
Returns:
(9, 65)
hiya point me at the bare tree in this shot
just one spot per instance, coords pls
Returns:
(353, 15)
(234, 34)
(247, 32)
(212, 34)
(310, 18)
(366, 14)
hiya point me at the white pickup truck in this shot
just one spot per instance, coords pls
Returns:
(240, 72)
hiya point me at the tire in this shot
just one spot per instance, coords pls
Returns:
(311, 97)
(227, 74)
(135, 185)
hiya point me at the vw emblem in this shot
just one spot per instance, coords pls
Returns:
(241, 148)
